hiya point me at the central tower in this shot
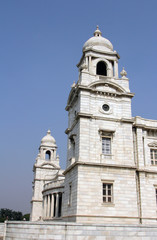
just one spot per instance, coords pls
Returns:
(100, 161)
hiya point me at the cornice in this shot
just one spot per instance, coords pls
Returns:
(115, 217)
(75, 91)
(33, 200)
(104, 165)
(145, 127)
(108, 93)
(52, 188)
(127, 120)
(99, 165)
(90, 116)
(89, 52)
(112, 53)
(146, 171)
(43, 179)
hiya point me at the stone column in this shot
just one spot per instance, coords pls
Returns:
(90, 64)
(87, 62)
(52, 205)
(54, 153)
(116, 69)
(48, 206)
(57, 204)
(44, 207)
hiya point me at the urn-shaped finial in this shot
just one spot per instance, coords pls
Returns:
(123, 73)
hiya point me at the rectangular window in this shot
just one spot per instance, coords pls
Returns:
(153, 156)
(106, 145)
(107, 189)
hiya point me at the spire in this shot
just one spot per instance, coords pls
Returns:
(97, 32)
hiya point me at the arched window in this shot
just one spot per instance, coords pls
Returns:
(48, 155)
(101, 69)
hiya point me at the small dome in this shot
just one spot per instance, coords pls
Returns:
(98, 43)
(48, 140)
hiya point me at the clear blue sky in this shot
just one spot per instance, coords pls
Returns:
(40, 44)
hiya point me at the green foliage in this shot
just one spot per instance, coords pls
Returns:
(26, 217)
(7, 214)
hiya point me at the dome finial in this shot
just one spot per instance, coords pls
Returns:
(97, 32)
(49, 132)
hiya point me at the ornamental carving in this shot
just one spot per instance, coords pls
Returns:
(153, 144)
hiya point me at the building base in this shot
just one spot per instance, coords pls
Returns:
(69, 231)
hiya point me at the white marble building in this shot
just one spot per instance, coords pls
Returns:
(111, 171)
(48, 184)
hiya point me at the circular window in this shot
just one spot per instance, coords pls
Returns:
(105, 107)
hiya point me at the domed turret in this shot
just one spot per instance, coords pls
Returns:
(98, 43)
(48, 140)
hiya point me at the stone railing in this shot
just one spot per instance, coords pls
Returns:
(56, 184)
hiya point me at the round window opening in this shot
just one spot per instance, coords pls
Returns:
(105, 107)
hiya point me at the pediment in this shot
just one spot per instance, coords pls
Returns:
(51, 176)
(49, 165)
(107, 86)
(153, 144)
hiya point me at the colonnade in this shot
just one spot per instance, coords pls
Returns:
(52, 205)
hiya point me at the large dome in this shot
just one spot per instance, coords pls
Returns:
(48, 140)
(98, 43)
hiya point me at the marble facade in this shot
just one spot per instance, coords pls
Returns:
(111, 170)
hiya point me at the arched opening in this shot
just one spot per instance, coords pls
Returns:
(48, 155)
(101, 69)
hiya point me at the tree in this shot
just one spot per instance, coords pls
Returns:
(7, 214)
(26, 216)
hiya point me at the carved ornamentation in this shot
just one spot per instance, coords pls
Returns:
(123, 73)
(153, 144)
